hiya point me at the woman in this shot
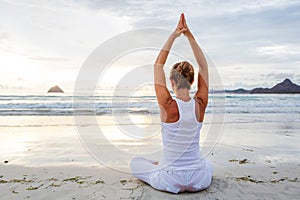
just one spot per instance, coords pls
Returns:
(181, 167)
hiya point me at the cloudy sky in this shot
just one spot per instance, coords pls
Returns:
(44, 43)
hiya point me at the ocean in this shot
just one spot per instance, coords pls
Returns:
(64, 104)
(32, 126)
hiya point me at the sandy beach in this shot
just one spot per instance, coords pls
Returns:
(50, 162)
(80, 84)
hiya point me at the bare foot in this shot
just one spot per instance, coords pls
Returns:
(155, 163)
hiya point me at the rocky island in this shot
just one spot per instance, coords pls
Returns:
(285, 87)
(55, 89)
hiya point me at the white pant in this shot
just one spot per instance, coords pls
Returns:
(170, 180)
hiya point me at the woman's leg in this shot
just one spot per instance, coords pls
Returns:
(142, 168)
(200, 179)
(209, 173)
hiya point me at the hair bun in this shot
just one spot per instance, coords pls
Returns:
(183, 74)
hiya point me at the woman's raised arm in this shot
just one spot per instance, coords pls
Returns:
(202, 92)
(162, 93)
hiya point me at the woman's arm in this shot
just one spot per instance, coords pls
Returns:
(162, 93)
(202, 92)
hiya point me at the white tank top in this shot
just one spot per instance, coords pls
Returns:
(181, 139)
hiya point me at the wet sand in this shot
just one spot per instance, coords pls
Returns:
(257, 160)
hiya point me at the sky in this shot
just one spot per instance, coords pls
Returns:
(45, 43)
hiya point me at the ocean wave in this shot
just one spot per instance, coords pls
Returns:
(101, 105)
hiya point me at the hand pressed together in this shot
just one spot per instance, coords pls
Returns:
(182, 28)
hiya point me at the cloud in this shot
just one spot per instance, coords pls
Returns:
(230, 31)
(278, 50)
(58, 6)
(3, 36)
(7, 87)
(278, 76)
(297, 79)
(241, 37)
(196, 7)
(47, 58)
(132, 7)
(3, 86)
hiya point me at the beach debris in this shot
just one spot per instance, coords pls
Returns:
(268, 161)
(52, 179)
(97, 182)
(275, 172)
(83, 180)
(242, 161)
(53, 185)
(278, 180)
(123, 181)
(15, 192)
(20, 181)
(130, 186)
(293, 180)
(246, 149)
(34, 188)
(6, 161)
(248, 178)
(77, 179)
(285, 179)
(3, 181)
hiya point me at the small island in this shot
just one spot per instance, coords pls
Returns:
(285, 87)
(55, 89)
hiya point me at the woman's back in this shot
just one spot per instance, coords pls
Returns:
(181, 139)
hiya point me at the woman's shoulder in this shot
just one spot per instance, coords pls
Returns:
(172, 111)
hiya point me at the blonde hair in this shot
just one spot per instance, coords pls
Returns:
(183, 75)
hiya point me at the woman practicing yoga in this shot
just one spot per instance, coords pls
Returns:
(181, 167)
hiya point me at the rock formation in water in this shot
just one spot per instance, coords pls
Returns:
(287, 86)
(56, 89)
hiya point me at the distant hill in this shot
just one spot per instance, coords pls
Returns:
(55, 89)
(287, 86)
(239, 91)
